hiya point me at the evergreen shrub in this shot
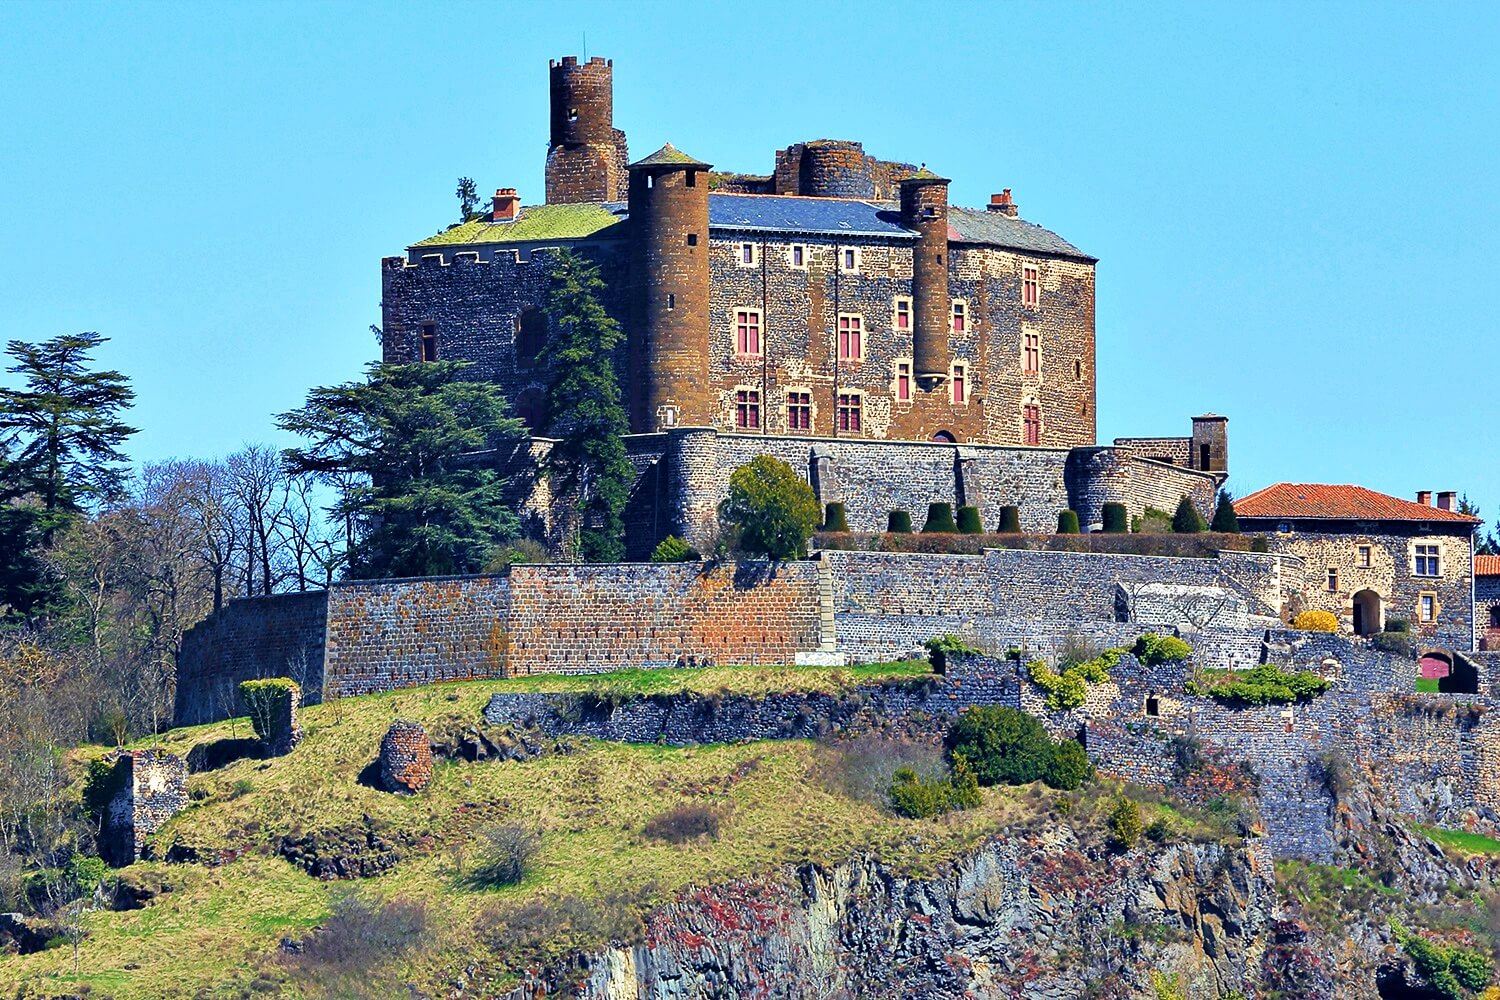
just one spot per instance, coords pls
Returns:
(1005, 746)
(940, 520)
(898, 522)
(969, 522)
(1067, 522)
(1115, 519)
(1152, 649)
(268, 703)
(835, 518)
(674, 550)
(1225, 521)
(773, 508)
(1010, 521)
(1125, 823)
(1187, 520)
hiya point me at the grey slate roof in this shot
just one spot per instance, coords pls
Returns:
(770, 213)
(977, 225)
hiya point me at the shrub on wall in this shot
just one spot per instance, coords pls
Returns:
(938, 650)
(674, 550)
(1116, 521)
(1393, 642)
(1316, 621)
(1262, 685)
(835, 519)
(1152, 649)
(1005, 746)
(773, 508)
(940, 520)
(969, 522)
(268, 703)
(1260, 543)
(1067, 687)
(1225, 520)
(1010, 520)
(898, 522)
(1067, 522)
(1187, 520)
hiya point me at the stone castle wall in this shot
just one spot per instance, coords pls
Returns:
(280, 636)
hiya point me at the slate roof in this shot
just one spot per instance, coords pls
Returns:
(1487, 565)
(535, 222)
(1343, 503)
(775, 213)
(978, 225)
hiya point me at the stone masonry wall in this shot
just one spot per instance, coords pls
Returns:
(1487, 611)
(152, 789)
(258, 637)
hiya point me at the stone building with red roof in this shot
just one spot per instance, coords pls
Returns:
(1371, 558)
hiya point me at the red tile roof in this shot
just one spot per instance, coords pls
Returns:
(1354, 503)
(1487, 565)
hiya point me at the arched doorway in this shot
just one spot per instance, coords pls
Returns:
(944, 437)
(1461, 678)
(1369, 614)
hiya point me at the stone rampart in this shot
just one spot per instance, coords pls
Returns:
(259, 637)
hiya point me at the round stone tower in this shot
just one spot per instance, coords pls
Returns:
(586, 155)
(833, 168)
(669, 338)
(924, 208)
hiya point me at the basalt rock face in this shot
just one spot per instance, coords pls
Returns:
(1039, 916)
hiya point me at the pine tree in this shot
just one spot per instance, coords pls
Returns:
(588, 465)
(468, 198)
(1225, 520)
(64, 428)
(404, 442)
(1187, 520)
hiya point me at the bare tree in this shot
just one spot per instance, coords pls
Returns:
(259, 484)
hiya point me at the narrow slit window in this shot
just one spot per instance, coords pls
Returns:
(1333, 578)
(960, 382)
(901, 319)
(903, 381)
(429, 342)
(747, 255)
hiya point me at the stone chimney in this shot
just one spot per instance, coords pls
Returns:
(1424, 497)
(1004, 204)
(507, 203)
(1447, 500)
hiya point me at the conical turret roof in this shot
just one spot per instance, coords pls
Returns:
(669, 156)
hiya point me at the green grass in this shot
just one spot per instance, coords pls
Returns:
(1462, 840)
(1427, 685)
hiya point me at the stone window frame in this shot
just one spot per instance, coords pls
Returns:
(840, 340)
(1419, 560)
(427, 337)
(1425, 598)
(748, 414)
(740, 248)
(902, 368)
(843, 251)
(959, 320)
(1031, 352)
(849, 417)
(1031, 272)
(807, 407)
(791, 256)
(1333, 579)
(958, 379)
(1031, 416)
(759, 327)
(1364, 555)
(896, 312)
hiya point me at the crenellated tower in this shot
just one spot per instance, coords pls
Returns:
(669, 384)
(924, 208)
(586, 156)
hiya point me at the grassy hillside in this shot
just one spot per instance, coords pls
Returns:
(214, 929)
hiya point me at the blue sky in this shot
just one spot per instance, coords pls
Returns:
(1294, 205)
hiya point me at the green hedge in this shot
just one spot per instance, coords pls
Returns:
(268, 703)
(1010, 520)
(835, 519)
(969, 522)
(940, 520)
(1116, 519)
(1067, 522)
(1262, 685)
(898, 522)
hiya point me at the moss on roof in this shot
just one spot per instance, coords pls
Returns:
(538, 222)
(669, 155)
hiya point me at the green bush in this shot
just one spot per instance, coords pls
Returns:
(101, 783)
(1116, 521)
(1010, 521)
(938, 650)
(674, 550)
(84, 874)
(1225, 520)
(1260, 685)
(969, 522)
(772, 507)
(1448, 970)
(1396, 643)
(1067, 522)
(916, 798)
(1152, 649)
(1260, 543)
(1398, 625)
(835, 518)
(1067, 687)
(1152, 522)
(899, 522)
(268, 703)
(1125, 823)
(1187, 520)
(1069, 767)
(940, 520)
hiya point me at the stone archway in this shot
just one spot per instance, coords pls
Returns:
(1369, 613)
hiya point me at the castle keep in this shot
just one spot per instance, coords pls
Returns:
(837, 312)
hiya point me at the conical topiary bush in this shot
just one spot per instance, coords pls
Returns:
(940, 520)
(1116, 519)
(1010, 521)
(834, 519)
(898, 522)
(1067, 522)
(969, 522)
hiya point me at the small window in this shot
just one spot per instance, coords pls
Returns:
(1427, 607)
(748, 255)
(901, 316)
(747, 332)
(692, 178)
(1333, 578)
(1153, 705)
(959, 380)
(1495, 616)
(851, 344)
(1031, 353)
(960, 320)
(531, 336)
(797, 257)
(1427, 561)
(1284, 528)
(671, 301)
(429, 342)
(799, 410)
(1031, 424)
(572, 114)
(1364, 556)
(850, 411)
(1031, 286)
(849, 260)
(1077, 371)
(747, 409)
(692, 239)
(903, 381)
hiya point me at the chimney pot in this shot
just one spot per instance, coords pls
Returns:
(1445, 500)
(1003, 203)
(1424, 497)
(506, 204)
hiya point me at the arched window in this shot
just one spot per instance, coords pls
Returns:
(946, 437)
(531, 335)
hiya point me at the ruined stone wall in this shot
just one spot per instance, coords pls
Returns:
(152, 788)
(280, 636)
(1171, 450)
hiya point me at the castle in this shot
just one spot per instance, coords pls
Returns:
(837, 312)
